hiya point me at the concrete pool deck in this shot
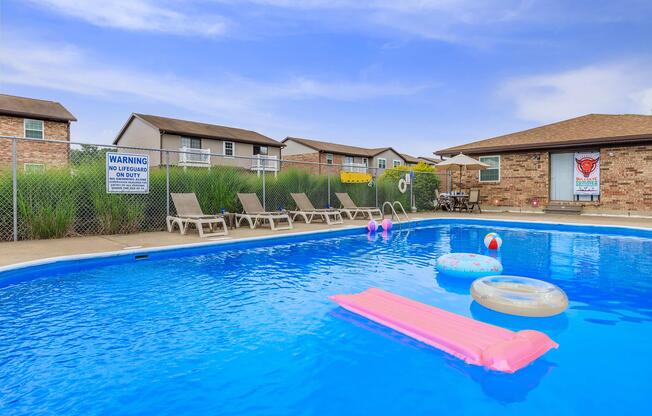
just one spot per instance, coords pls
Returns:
(24, 251)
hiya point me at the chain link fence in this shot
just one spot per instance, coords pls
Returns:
(52, 189)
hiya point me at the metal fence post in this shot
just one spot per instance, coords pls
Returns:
(14, 184)
(167, 182)
(412, 179)
(329, 188)
(264, 191)
(376, 185)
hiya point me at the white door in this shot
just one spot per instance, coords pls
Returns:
(561, 176)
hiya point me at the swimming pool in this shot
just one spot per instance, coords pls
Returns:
(248, 328)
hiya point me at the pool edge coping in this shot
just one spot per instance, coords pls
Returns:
(158, 249)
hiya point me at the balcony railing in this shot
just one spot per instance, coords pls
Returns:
(264, 163)
(355, 167)
(194, 157)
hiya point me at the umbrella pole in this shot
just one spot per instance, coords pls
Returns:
(460, 190)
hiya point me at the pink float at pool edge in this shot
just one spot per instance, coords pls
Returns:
(473, 341)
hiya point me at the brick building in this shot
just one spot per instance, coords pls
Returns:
(596, 163)
(345, 157)
(37, 120)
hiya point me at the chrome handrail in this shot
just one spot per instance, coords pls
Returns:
(393, 211)
(402, 209)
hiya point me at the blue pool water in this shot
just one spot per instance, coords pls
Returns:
(250, 330)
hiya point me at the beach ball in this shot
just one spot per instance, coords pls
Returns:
(386, 224)
(493, 241)
(372, 226)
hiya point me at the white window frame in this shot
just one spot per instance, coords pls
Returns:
(329, 158)
(396, 163)
(28, 167)
(365, 162)
(480, 172)
(384, 162)
(25, 120)
(232, 149)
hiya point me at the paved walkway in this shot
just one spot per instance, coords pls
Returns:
(22, 251)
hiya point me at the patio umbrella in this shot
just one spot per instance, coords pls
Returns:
(463, 162)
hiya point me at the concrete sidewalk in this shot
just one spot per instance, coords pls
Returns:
(22, 251)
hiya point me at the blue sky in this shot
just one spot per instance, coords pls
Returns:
(415, 75)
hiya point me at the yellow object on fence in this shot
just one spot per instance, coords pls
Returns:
(354, 177)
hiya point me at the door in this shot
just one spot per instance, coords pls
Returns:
(561, 176)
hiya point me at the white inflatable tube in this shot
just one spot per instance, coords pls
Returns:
(520, 296)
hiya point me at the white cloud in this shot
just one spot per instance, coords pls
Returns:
(608, 88)
(137, 15)
(67, 68)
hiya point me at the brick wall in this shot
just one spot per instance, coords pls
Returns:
(303, 157)
(626, 179)
(49, 154)
(625, 182)
(523, 182)
(313, 158)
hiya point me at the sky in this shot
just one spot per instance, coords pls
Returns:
(416, 75)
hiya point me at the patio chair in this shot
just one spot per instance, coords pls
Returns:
(255, 214)
(352, 210)
(189, 212)
(308, 212)
(474, 200)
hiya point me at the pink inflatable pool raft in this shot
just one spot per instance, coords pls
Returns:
(473, 341)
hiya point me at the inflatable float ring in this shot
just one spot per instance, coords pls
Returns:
(522, 296)
(468, 265)
(402, 186)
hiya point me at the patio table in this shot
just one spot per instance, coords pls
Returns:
(459, 200)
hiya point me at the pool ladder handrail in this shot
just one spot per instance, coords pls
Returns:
(393, 211)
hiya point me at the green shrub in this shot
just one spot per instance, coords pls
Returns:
(72, 200)
(424, 183)
(46, 205)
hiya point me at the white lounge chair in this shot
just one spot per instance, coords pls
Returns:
(308, 212)
(189, 212)
(255, 214)
(352, 210)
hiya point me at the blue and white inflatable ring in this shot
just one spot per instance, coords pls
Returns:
(468, 265)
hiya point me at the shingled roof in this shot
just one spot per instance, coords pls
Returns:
(340, 149)
(591, 129)
(197, 129)
(12, 105)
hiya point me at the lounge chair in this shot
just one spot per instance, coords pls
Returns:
(189, 212)
(474, 200)
(255, 214)
(308, 212)
(352, 210)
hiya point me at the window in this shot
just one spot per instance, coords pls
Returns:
(329, 158)
(492, 173)
(382, 163)
(191, 143)
(229, 149)
(33, 167)
(261, 150)
(396, 163)
(33, 129)
(365, 161)
(348, 160)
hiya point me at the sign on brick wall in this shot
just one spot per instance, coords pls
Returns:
(127, 173)
(587, 173)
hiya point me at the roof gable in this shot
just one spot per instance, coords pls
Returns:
(31, 107)
(340, 149)
(198, 129)
(584, 130)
